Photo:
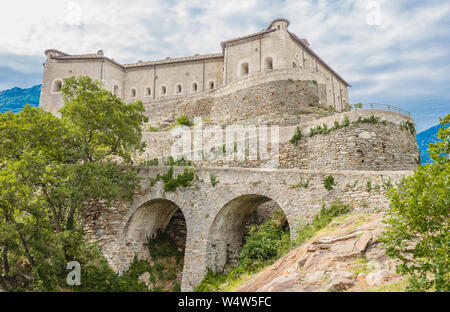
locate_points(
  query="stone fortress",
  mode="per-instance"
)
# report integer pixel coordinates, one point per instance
(270, 77)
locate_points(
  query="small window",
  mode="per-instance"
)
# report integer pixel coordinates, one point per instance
(57, 85)
(133, 93)
(268, 63)
(194, 87)
(116, 90)
(294, 64)
(148, 91)
(163, 90)
(211, 85)
(244, 69)
(179, 89)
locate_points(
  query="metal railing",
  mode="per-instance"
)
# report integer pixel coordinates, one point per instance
(381, 106)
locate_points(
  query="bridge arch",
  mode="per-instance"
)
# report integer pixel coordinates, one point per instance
(226, 232)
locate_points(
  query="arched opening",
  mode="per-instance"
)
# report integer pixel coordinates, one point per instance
(294, 64)
(227, 234)
(244, 69)
(194, 87)
(268, 63)
(57, 85)
(148, 91)
(159, 227)
(163, 90)
(116, 90)
(178, 88)
(133, 93)
(211, 85)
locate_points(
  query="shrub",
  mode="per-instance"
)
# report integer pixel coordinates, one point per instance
(296, 137)
(408, 126)
(213, 179)
(184, 120)
(328, 183)
(171, 183)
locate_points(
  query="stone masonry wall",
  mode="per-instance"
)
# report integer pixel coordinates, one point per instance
(202, 202)
(283, 102)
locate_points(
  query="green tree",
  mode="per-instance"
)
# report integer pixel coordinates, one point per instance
(52, 172)
(417, 232)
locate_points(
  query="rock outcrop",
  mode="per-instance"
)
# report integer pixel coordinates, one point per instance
(345, 256)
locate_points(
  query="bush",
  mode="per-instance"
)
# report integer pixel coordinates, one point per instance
(322, 219)
(296, 137)
(184, 120)
(171, 183)
(328, 183)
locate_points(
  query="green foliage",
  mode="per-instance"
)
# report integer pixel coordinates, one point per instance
(369, 186)
(50, 169)
(296, 137)
(417, 232)
(328, 183)
(184, 121)
(170, 161)
(213, 179)
(358, 105)
(171, 183)
(372, 119)
(151, 162)
(307, 230)
(408, 126)
(302, 183)
(152, 128)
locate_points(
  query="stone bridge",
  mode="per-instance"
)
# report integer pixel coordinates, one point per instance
(214, 214)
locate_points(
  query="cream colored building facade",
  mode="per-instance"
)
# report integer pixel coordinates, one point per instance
(271, 54)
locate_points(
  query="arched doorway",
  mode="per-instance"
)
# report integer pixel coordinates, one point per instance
(158, 230)
(227, 233)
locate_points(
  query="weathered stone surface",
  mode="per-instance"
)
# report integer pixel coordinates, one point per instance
(332, 269)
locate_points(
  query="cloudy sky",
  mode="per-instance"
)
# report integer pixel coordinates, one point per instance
(391, 51)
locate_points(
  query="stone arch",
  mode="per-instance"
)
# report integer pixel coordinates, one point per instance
(158, 218)
(268, 63)
(226, 233)
(244, 69)
(149, 218)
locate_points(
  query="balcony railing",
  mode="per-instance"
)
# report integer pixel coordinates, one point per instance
(381, 106)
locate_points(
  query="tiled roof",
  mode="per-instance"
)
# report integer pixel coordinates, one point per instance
(64, 56)
(196, 57)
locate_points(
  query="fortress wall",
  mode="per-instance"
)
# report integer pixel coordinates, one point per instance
(254, 52)
(359, 146)
(284, 102)
(169, 75)
(57, 70)
(113, 75)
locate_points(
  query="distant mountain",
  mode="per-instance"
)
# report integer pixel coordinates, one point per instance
(15, 99)
(424, 138)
